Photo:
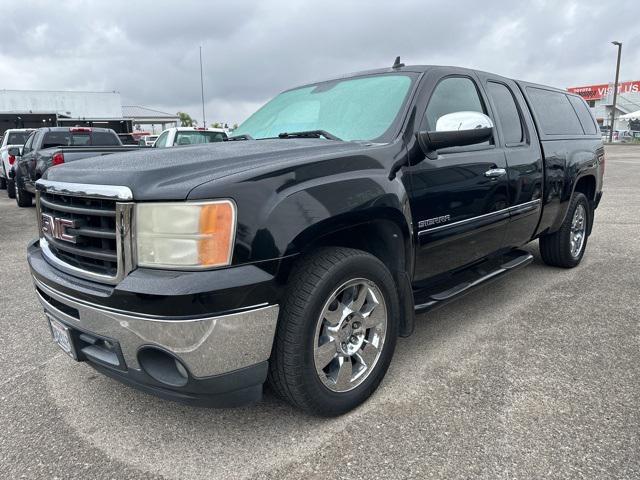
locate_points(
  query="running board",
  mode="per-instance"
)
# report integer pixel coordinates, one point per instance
(463, 282)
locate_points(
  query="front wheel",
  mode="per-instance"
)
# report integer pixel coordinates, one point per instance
(11, 188)
(336, 333)
(565, 248)
(23, 198)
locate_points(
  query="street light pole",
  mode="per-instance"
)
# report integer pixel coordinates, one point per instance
(204, 120)
(615, 91)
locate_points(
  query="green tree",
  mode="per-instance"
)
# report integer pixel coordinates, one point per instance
(216, 125)
(186, 120)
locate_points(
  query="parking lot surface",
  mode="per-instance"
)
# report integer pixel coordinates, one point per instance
(534, 376)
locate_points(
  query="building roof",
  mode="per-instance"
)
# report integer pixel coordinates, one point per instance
(134, 112)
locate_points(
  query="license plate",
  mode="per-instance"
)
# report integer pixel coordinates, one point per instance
(62, 336)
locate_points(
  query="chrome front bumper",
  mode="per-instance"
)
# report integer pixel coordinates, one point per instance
(206, 346)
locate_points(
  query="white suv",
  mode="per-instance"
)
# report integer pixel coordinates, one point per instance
(175, 137)
(12, 138)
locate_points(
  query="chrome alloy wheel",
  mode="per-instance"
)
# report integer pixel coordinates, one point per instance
(350, 335)
(578, 230)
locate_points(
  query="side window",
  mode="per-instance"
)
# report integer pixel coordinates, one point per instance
(453, 94)
(507, 113)
(554, 111)
(28, 144)
(584, 115)
(161, 141)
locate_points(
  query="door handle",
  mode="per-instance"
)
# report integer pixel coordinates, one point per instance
(495, 172)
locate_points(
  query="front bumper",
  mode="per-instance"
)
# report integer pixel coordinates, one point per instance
(224, 355)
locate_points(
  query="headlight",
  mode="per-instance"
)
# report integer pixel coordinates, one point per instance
(190, 235)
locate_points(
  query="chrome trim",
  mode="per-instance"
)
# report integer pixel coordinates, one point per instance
(106, 192)
(495, 172)
(520, 208)
(124, 239)
(207, 346)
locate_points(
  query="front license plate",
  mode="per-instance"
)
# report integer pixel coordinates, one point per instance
(62, 336)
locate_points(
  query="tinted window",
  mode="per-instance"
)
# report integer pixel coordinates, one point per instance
(78, 139)
(507, 112)
(454, 94)
(104, 139)
(17, 138)
(28, 144)
(192, 138)
(554, 112)
(584, 115)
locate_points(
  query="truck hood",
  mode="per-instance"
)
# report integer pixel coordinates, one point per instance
(171, 173)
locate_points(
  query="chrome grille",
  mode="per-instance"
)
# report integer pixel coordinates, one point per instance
(97, 242)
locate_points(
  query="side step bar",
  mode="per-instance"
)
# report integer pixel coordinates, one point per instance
(463, 282)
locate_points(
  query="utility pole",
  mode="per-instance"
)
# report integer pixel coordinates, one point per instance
(204, 120)
(615, 91)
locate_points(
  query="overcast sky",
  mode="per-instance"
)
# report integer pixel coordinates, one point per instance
(148, 51)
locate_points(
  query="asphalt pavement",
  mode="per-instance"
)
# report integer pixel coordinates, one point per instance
(534, 376)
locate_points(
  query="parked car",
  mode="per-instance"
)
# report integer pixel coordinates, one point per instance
(299, 250)
(147, 140)
(51, 146)
(14, 137)
(173, 137)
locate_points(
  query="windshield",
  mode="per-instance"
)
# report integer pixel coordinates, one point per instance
(351, 109)
(17, 138)
(192, 138)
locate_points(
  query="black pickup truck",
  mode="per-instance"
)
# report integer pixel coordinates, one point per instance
(50, 146)
(299, 250)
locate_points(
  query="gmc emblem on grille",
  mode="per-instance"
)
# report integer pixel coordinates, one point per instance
(57, 227)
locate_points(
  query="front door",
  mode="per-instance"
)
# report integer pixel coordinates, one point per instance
(459, 200)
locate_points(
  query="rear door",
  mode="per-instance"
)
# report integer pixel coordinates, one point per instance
(458, 200)
(518, 138)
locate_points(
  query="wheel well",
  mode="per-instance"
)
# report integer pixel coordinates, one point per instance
(587, 186)
(382, 239)
(385, 240)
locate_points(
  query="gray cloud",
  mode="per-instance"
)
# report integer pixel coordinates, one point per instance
(148, 51)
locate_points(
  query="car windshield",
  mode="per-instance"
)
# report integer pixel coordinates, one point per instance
(361, 108)
(76, 139)
(196, 137)
(17, 138)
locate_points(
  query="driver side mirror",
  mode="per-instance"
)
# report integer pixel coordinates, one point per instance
(14, 151)
(456, 129)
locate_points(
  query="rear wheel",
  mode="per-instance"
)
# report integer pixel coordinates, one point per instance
(336, 333)
(3, 183)
(565, 248)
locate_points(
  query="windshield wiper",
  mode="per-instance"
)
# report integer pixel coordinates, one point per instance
(309, 134)
(244, 136)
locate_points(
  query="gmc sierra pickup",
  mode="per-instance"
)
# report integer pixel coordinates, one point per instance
(49, 146)
(296, 252)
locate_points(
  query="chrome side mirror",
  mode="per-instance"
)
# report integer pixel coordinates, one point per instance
(456, 129)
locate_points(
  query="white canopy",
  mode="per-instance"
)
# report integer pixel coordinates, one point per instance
(631, 116)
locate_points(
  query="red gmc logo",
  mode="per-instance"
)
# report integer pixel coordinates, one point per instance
(57, 227)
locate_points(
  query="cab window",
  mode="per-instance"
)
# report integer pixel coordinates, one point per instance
(453, 94)
(161, 142)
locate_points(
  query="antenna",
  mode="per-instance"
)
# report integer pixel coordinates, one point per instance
(397, 63)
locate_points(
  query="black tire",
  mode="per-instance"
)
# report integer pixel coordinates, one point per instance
(11, 188)
(292, 372)
(555, 248)
(3, 183)
(23, 198)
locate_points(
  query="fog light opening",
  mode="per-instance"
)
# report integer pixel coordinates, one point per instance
(163, 367)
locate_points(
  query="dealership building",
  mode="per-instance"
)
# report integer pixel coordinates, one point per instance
(36, 108)
(600, 99)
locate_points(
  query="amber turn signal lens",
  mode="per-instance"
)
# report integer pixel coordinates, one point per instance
(217, 225)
